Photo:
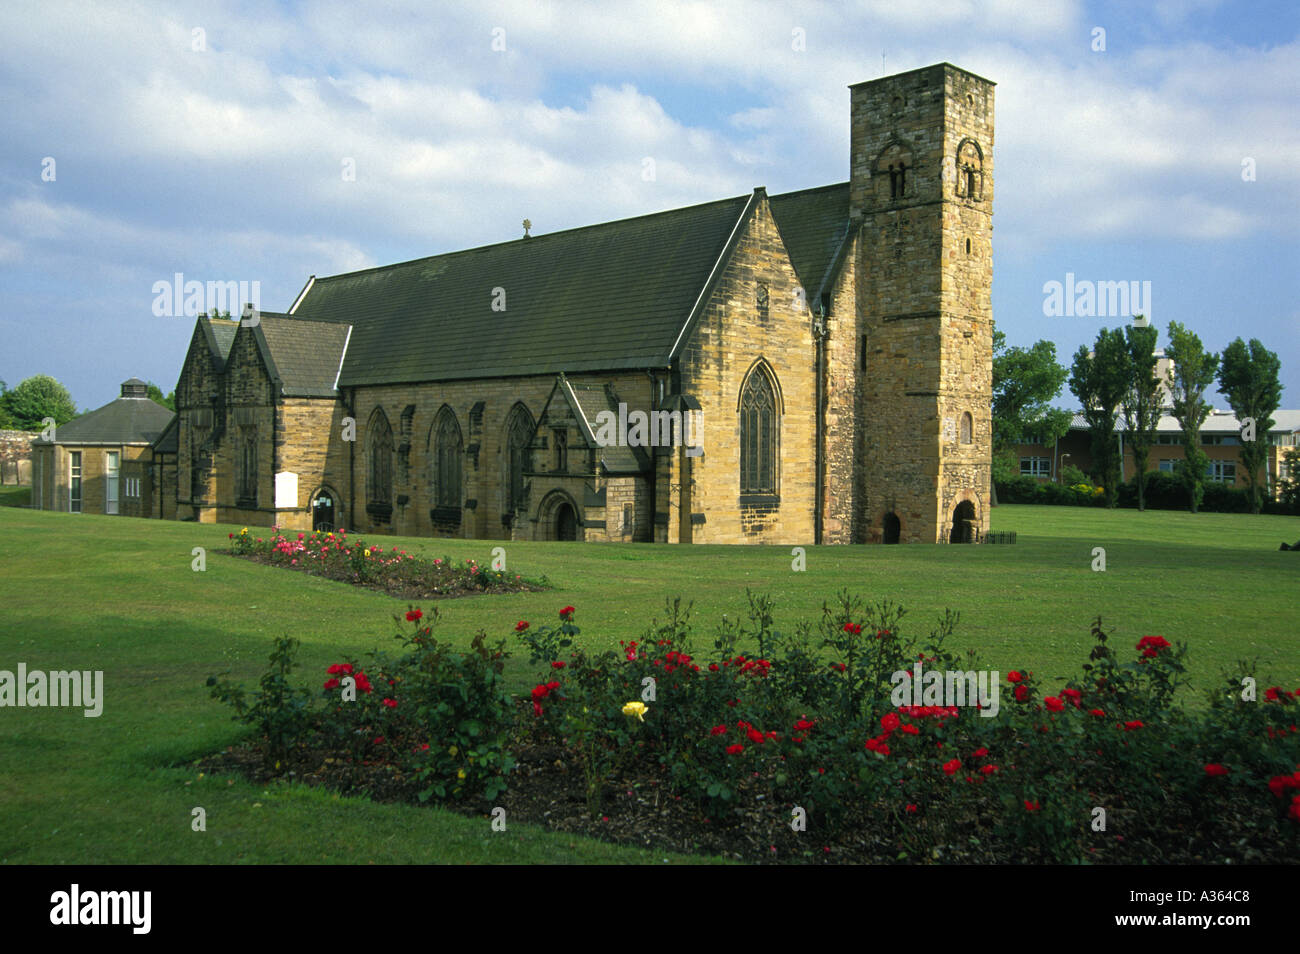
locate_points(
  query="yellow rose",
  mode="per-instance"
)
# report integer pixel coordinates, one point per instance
(637, 709)
(461, 775)
(453, 750)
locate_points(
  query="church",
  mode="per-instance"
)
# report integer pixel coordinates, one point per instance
(810, 367)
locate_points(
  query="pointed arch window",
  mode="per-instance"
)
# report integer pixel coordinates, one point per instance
(967, 426)
(760, 434)
(379, 476)
(519, 434)
(246, 482)
(448, 453)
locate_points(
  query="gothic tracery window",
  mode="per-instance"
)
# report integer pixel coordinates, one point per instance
(759, 434)
(448, 453)
(379, 478)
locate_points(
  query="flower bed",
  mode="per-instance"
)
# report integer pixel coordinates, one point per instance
(799, 746)
(394, 571)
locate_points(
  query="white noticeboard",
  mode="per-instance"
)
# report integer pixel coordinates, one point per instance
(286, 489)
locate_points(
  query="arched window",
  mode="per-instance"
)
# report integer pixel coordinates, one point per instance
(970, 170)
(894, 162)
(448, 452)
(966, 428)
(379, 474)
(519, 434)
(760, 433)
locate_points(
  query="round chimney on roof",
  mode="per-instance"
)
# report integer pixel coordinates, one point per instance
(134, 388)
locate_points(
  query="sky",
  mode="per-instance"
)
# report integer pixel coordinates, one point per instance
(263, 143)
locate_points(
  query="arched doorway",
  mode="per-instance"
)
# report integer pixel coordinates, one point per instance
(893, 529)
(566, 522)
(322, 510)
(963, 523)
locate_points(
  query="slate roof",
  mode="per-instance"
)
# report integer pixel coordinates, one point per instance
(169, 441)
(220, 335)
(588, 400)
(128, 420)
(813, 224)
(599, 298)
(303, 356)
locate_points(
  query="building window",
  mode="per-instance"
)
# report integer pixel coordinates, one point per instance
(761, 299)
(970, 170)
(246, 474)
(560, 456)
(968, 246)
(1221, 471)
(379, 474)
(864, 353)
(1174, 439)
(895, 161)
(967, 426)
(760, 434)
(1219, 440)
(74, 481)
(1035, 467)
(629, 518)
(448, 454)
(112, 470)
(37, 480)
(1168, 466)
(519, 434)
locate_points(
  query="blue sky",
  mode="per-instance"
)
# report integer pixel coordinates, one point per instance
(220, 154)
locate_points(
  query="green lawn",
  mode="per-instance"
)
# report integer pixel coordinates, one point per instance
(15, 496)
(119, 595)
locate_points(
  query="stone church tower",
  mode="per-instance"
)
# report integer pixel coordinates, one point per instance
(921, 186)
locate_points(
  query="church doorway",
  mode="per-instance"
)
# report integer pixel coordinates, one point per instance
(566, 522)
(322, 510)
(963, 523)
(893, 529)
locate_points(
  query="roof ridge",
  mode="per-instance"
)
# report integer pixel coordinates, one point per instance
(833, 185)
(533, 238)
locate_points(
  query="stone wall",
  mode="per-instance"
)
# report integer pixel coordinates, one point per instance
(16, 457)
(924, 302)
(735, 332)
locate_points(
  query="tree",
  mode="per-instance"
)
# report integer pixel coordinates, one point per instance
(1141, 402)
(154, 393)
(1288, 484)
(1192, 371)
(1248, 378)
(1025, 382)
(37, 398)
(6, 420)
(1100, 381)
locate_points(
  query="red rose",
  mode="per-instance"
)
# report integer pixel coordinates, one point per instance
(951, 767)
(981, 752)
(331, 683)
(713, 667)
(735, 749)
(537, 708)
(718, 730)
(803, 725)
(558, 664)
(540, 692)
(755, 736)
(552, 686)
(1054, 704)
(1097, 712)
(567, 613)
(910, 729)
(989, 769)
(1130, 726)
(391, 703)
(521, 626)
(1074, 695)
(1214, 768)
(1032, 806)
(1014, 676)
(889, 722)
(413, 615)
(1021, 693)
(911, 809)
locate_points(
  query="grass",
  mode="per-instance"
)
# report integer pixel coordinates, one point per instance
(119, 595)
(15, 496)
